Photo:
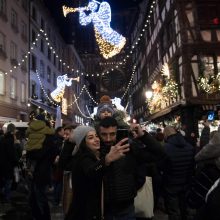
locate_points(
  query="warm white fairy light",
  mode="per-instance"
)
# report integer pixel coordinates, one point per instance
(109, 41)
(210, 84)
(90, 96)
(80, 109)
(45, 93)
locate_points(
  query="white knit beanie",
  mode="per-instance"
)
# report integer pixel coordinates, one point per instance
(79, 134)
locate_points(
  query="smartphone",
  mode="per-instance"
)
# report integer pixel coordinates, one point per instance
(121, 134)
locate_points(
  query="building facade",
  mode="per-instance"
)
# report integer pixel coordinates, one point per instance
(33, 54)
(13, 63)
(178, 59)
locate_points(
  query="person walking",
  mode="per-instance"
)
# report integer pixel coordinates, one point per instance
(177, 172)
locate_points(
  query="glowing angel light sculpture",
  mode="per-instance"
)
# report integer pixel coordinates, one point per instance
(62, 82)
(110, 42)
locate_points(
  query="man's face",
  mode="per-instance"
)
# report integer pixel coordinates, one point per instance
(108, 135)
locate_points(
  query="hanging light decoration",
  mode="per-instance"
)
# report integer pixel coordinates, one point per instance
(110, 42)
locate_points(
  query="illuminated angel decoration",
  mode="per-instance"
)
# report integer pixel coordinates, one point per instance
(62, 82)
(110, 42)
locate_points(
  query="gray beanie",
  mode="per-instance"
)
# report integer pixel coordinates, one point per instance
(79, 134)
(11, 128)
(105, 106)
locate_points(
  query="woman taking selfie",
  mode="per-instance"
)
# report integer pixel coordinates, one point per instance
(87, 172)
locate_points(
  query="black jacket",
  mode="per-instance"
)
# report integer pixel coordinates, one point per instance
(87, 173)
(179, 164)
(8, 156)
(120, 178)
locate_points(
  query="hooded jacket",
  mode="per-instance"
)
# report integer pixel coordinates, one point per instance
(36, 134)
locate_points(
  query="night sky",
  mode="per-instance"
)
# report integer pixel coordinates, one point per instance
(69, 26)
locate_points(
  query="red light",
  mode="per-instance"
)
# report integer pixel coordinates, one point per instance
(215, 21)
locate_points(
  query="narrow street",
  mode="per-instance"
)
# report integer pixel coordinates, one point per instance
(19, 209)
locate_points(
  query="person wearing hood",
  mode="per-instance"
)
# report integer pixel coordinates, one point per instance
(177, 172)
(87, 173)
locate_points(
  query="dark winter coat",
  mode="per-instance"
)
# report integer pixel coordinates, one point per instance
(87, 173)
(205, 135)
(212, 206)
(179, 164)
(66, 156)
(8, 156)
(120, 179)
(43, 160)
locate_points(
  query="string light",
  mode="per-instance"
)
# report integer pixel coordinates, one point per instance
(78, 71)
(90, 96)
(170, 90)
(210, 84)
(80, 109)
(45, 93)
(129, 84)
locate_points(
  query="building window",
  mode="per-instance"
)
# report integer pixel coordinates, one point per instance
(14, 19)
(54, 79)
(33, 63)
(33, 36)
(49, 53)
(13, 52)
(42, 45)
(13, 88)
(54, 59)
(33, 90)
(2, 83)
(42, 24)
(48, 74)
(42, 69)
(24, 61)
(34, 13)
(24, 4)
(2, 42)
(24, 30)
(3, 6)
(48, 32)
(23, 94)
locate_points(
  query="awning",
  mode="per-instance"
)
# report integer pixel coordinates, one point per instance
(167, 110)
(45, 107)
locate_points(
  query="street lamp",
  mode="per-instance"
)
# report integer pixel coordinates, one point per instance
(148, 94)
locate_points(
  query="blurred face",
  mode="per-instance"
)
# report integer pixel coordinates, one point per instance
(105, 114)
(61, 132)
(108, 135)
(66, 134)
(92, 141)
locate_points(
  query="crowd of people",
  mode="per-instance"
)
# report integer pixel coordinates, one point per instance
(95, 172)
